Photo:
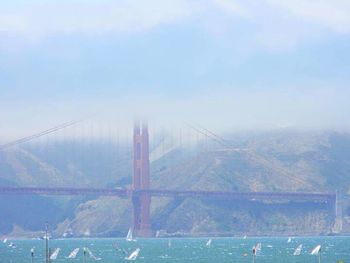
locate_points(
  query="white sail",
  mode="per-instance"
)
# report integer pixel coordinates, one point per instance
(129, 235)
(133, 255)
(245, 237)
(55, 254)
(316, 250)
(74, 253)
(92, 255)
(169, 243)
(257, 248)
(289, 240)
(208, 244)
(5, 240)
(297, 251)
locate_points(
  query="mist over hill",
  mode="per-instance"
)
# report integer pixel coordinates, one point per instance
(270, 161)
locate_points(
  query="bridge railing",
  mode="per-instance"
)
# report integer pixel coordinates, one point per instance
(293, 196)
(64, 191)
(259, 196)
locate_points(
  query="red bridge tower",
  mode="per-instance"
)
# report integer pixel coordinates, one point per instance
(141, 181)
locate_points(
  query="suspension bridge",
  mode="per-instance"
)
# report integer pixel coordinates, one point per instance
(141, 192)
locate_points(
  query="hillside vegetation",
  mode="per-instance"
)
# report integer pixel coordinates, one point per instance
(271, 161)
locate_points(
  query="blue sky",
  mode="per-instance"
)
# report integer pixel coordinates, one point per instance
(262, 64)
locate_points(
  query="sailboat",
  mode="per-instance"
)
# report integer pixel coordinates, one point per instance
(208, 244)
(289, 240)
(297, 251)
(255, 251)
(32, 254)
(122, 250)
(92, 255)
(74, 253)
(316, 250)
(129, 236)
(169, 243)
(55, 254)
(133, 255)
(5, 240)
(258, 247)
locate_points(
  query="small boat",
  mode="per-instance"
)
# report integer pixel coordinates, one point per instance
(129, 236)
(316, 250)
(208, 244)
(133, 255)
(5, 240)
(289, 240)
(122, 250)
(12, 245)
(91, 255)
(297, 251)
(74, 253)
(245, 237)
(54, 255)
(256, 249)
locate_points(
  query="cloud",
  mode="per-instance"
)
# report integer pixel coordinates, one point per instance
(40, 18)
(282, 25)
(274, 25)
(251, 24)
(71, 16)
(330, 14)
(234, 7)
(321, 108)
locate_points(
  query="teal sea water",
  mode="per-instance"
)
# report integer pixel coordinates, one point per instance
(191, 250)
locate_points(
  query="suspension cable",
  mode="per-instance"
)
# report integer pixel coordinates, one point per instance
(40, 134)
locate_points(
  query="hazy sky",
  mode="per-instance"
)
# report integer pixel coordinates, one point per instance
(228, 64)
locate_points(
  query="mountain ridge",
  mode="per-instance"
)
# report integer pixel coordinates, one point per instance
(276, 161)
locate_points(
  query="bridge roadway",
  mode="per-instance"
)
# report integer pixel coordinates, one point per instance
(254, 196)
(64, 191)
(125, 193)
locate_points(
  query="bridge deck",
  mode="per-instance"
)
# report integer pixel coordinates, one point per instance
(260, 196)
(64, 191)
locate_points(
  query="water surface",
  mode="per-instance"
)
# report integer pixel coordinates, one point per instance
(192, 250)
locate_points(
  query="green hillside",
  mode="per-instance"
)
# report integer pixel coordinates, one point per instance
(273, 161)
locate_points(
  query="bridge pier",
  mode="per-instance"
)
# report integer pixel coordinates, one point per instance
(141, 181)
(141, 214)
